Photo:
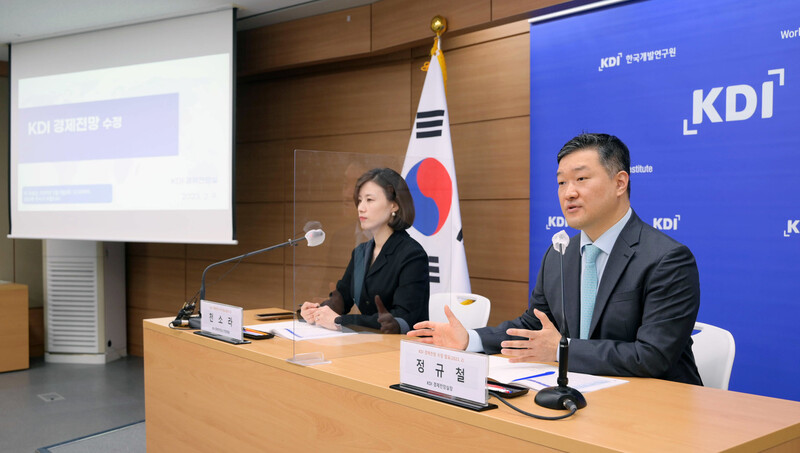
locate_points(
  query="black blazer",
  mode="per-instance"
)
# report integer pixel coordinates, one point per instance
(399, 276)
(645, 310)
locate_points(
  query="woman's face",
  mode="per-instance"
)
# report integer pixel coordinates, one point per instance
(374, 209)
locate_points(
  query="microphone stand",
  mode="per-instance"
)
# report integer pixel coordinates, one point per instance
(562, 396)
(185, 318)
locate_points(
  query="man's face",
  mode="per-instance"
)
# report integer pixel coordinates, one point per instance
(590, 198)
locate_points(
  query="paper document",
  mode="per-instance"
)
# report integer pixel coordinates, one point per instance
(299, 331)
(538, 376)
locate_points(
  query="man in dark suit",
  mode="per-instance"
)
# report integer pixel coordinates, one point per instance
(631, 292)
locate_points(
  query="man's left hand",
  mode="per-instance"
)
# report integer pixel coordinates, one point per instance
(540, 346)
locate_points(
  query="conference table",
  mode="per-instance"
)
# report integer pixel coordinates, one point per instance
(202, 394)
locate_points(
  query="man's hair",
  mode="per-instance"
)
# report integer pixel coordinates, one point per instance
(614, 155)
(396, 189)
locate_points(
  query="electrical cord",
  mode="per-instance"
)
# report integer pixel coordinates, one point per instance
(184, 314)
(569, 404)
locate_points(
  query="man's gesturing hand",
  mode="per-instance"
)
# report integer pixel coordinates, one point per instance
(451, 334)
(539, 345)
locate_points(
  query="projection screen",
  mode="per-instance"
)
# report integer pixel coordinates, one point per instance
(125, 134)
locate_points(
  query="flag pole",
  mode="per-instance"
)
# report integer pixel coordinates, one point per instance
(429, 170)
(439, 26)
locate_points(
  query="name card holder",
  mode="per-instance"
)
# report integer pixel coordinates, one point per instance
(444, 374)
(221, 322)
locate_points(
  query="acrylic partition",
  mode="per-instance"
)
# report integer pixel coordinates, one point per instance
(324, 183)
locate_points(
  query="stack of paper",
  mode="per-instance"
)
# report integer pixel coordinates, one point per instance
(538, 376)
(299, 331)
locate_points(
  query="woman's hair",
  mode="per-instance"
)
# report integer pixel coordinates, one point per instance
(396, 189)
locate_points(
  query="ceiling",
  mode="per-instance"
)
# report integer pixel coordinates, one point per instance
(27, 20)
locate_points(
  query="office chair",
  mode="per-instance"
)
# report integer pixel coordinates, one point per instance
(714, 350)
(472, 310)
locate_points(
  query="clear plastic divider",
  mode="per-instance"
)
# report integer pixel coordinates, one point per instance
(324, 183)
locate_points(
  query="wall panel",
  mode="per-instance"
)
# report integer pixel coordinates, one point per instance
(398, 22)
(36, 332)
(262, 169)
(258, 225)
(325, 37)
(392, 143)
(155, 250)
(155, 283)
(344, 102)
(492, 158)
(508, 298)
(495, 238)
(450, 42)
(155, 287)
(247, 285)
(484, 82)
(489, 81)
(507, 8)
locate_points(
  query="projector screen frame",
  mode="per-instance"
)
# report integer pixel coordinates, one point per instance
(184, 222)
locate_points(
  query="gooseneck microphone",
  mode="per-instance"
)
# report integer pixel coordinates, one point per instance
(562, 396)
(312, 237)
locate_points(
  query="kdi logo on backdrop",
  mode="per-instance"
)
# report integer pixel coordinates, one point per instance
(703, 102)
(791, 228)
(666, 223)
(555, 221)
(609, 62)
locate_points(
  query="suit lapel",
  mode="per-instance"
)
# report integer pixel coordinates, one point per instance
(380, 261)
(618, 260)
(388, 248)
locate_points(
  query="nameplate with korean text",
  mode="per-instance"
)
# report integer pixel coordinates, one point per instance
(443, 371)
(221, 319)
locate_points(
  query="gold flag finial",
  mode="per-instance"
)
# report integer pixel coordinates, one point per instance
(438, 25)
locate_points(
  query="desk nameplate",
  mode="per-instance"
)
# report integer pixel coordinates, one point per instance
(444, 374)
(221, 322)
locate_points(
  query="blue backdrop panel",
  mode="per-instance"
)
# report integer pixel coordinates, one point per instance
(706, 94)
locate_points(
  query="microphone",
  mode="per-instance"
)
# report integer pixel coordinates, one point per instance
(560, 242)
(562, 396)
(313, 238)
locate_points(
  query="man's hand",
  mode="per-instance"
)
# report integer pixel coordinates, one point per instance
(389, 325)
(451, 334)
(540, 346)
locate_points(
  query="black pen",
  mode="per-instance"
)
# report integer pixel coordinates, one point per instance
(282, 315)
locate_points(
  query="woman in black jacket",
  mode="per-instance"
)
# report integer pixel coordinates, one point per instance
(387, 277)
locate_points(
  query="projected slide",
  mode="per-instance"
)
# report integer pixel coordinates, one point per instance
(125, 133)
(136, 137)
